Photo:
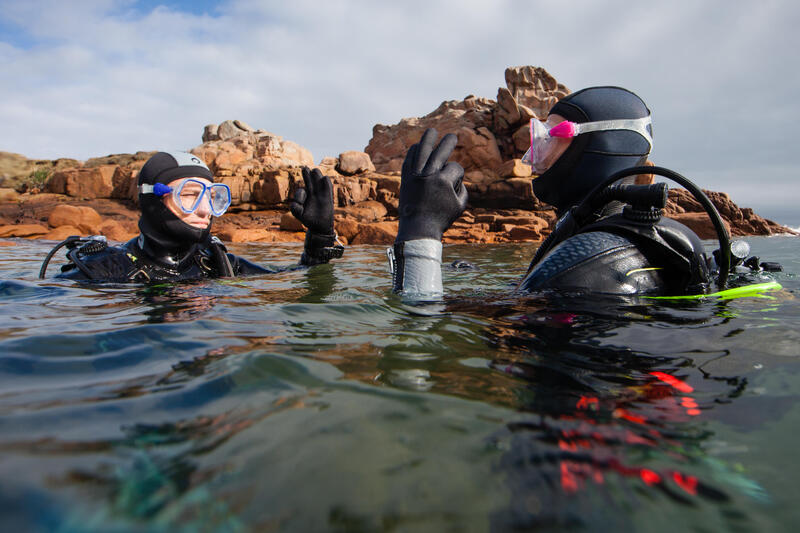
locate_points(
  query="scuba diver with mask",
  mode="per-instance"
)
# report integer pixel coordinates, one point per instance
(178, 200)
(611, 236)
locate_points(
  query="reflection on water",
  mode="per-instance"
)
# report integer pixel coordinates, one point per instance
(602, 414)
(316, 400)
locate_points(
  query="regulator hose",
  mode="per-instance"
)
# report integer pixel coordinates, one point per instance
(76, 244)
(50, 255)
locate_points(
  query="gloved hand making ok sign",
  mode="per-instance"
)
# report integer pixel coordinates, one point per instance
(432, 193)
(313, 206)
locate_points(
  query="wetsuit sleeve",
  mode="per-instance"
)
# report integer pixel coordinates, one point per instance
(417, 269)
(243, 267)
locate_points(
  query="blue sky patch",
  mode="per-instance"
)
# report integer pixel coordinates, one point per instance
(195, 7)
(16, 36)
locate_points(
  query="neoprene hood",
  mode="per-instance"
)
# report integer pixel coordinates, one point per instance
(157, 222)
(593, 157)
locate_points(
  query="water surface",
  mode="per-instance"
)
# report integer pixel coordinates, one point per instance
(315, 400)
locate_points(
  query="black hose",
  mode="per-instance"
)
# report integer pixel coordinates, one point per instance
(47, 259)
(722, 234)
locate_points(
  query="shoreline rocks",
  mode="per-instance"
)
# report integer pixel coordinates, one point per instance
(54, 199)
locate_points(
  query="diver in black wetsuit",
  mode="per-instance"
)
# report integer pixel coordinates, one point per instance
(586, 155)
(630, 250)
(178, 198)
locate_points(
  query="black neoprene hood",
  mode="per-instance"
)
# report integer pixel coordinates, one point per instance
(592, 157)
(165, 167)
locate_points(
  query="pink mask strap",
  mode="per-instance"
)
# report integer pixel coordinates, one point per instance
(565, 130)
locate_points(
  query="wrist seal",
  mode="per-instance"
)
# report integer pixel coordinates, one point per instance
(321, 248)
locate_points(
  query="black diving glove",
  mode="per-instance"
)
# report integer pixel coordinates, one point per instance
(432, 193)
(313, 206)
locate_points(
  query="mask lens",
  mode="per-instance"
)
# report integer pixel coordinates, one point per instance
(220, 196)
(527, 158)
(540, 140)
(189, 195)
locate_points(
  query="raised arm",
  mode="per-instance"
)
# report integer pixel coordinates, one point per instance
(432, 197)
(313, 206)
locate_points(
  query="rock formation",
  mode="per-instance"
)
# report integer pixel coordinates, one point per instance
(739, 221)
(492, 135)
(54, 199)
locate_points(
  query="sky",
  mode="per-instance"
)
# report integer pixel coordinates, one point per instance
(89, 78)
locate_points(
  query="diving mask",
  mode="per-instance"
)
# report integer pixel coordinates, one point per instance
(543, 136)
(191, 192)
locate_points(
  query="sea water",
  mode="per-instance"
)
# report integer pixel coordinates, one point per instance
(316, 400)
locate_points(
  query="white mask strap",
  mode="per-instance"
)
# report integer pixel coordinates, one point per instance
(639, 125)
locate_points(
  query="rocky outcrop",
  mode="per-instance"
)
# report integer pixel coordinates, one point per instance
(30, 231)
(56, 216)
(23, 174)
(353, 162)
(470, 119)
(534, 88)
(121, 160)
(492, 135)
(94, 182)
(261, 168)
(8, 194)
(234, 148)
(263, 171)
(739, 221)
(85, 219)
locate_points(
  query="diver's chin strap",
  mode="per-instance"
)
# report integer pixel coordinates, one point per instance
(416, 268)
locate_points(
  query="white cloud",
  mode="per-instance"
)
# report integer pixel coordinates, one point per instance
(104, 76)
